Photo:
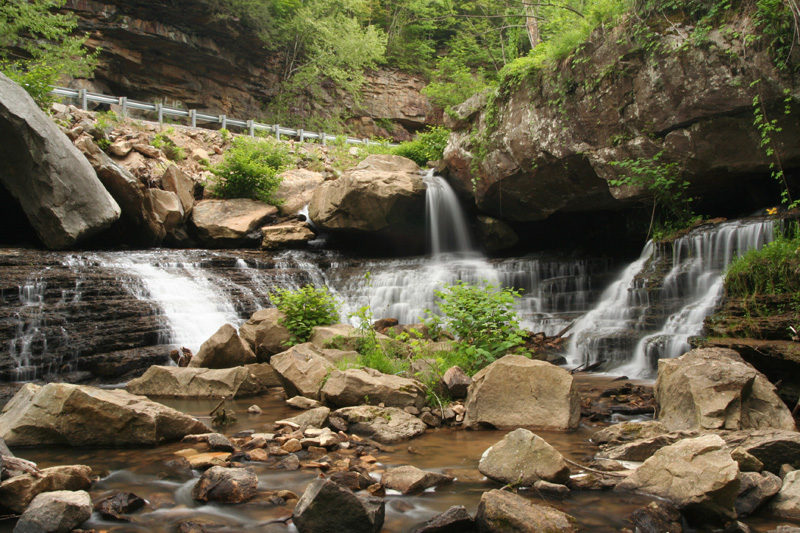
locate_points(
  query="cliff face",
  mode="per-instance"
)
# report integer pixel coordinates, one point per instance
(547, 145)
(180, 52)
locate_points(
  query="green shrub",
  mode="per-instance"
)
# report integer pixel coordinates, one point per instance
(775, 269)
(250, 170)
(427, 146)
(483, 320)
(305, 308)
(171, 151)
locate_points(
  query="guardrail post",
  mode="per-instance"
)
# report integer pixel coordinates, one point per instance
(160, 111)
(277, 131)
(224, 121)
(251, 128)
(301, 135)
(323, 137)
(123, 103)
(365, 142)
(193, 117)
(84, 100)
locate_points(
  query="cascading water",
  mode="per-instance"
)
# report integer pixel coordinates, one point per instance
(448, 231)
(634, 325)
(29, 321)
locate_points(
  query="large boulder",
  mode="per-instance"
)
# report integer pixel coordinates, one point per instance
(500, 510)
(291, 234)
(322, 335)
(57, 511)
(302, 369)
(714, 388)
(61, 413)
(523, 458)
(382, 194)
(383, 424)
(231, 223)
(411, 480)
(175, 382)
(786, 504)
(17, 492)
(755, 490)
(326, 507)
(224, 349)
(773, 448)
(697, 475)
(139, 224)
(226, 485)
(175, 181)
(265, 333)
(350, 387)
(167, 209)
(54, 184)
(544, 395)
(296, 188)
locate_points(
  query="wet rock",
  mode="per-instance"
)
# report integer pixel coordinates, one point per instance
(657, 517)
(60, 413)
(202, 461)
(115, 507)
(291, 234)
(772, 448)
(629, 431)
(499, 510)
(291, 462)
(555, 490)
(754, 491)
(265, 374)
(313, 418)
(302, 369)
(226, 485)
(17, 492)
(642, 449)
(454, 520)
(456, 382)
(545, 395)
(412, 480)
(350, 387)
(328, 507)
(431, 420)
(231, 223)
(301, 402)
(708, 484)
(224, 349)
(383, 424)
(714, 388)
(254, 410)
(265, 333)
(61, 510)
(786, 504)
(352, 480)
(54, 184)
(175, 382)
(494, 234)
(522, 458)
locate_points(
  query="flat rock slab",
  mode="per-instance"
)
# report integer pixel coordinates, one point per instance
(175, 382)
(383, 424)
(411, 480)
(500, 510)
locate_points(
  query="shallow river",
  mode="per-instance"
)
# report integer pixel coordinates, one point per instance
(145, 472)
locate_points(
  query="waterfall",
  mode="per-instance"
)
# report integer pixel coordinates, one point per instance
(634, 325)
(448, 231)
(29, 321)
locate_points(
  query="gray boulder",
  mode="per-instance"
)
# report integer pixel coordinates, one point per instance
(265, 333)
(707, 486)
(224, 349)
(326, 507)
(714, 388)
(61, 413)
(786, 504)
(383, 424)
(54, 184)
(500, 510)
(754, 491)
(226, 485)
(411, 480)
(175, 382)
(16, 493)
(350, 387)
(523, 458)
(302, 370)
(231, 223)
(57, 511)
(657, 517)
(545, 396)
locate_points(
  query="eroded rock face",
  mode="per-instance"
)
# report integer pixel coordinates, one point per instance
(696, 105)
(54, 184)
(175, 382)
(231, 223)
(708, 483)
(713, 388)
(383, 194)
(545, 396)
(350, 387)
(523, 458)
(60, 413)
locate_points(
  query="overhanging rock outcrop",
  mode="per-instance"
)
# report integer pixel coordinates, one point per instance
(54, 184)
(547, 145)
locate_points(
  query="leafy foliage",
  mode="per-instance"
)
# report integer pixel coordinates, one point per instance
(37, 46)
(767, 128)
(163, 142)
(250, 169)
(427, 146)
(306, 308)
(775, 269)
(483, 320)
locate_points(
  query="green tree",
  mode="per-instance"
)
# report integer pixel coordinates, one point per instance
(37, 46)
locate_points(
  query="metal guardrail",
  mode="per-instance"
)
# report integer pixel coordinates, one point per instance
(161, 110)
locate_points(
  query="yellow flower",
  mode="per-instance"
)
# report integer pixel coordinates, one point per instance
(772, 210)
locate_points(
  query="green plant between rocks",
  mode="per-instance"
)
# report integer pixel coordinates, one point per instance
(251, 169)
(774, 269)
(163, 142)
(483, 320)
(427, 146)
(304, 309)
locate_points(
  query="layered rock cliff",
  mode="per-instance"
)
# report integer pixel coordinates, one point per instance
(543, 146)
